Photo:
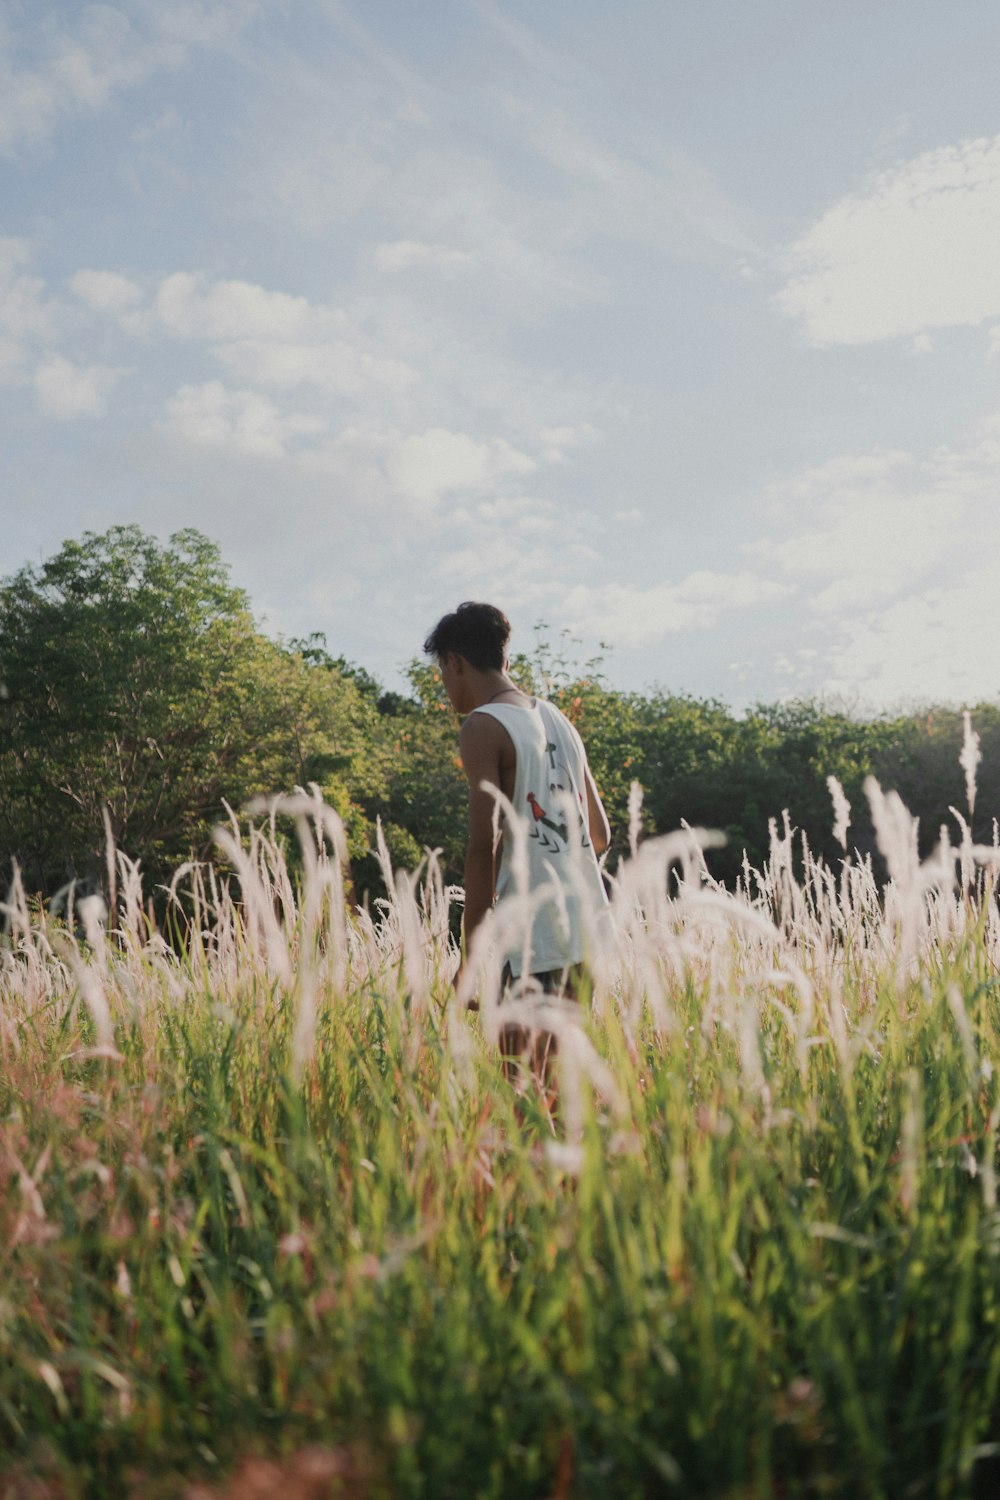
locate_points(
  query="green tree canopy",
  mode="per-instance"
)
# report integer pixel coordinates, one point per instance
(133, 678)
(136, 681)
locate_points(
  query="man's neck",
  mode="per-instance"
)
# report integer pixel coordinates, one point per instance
(492, 687)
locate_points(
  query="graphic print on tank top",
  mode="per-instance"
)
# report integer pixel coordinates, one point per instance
(554, 836)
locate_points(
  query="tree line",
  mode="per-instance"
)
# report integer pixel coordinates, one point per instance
(139, 697)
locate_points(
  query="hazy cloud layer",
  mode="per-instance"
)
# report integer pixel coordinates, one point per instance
(60, 62)
(520, 305)
(631, 616)
(892, 556)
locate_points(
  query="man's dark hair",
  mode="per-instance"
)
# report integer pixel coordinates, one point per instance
(479, 632)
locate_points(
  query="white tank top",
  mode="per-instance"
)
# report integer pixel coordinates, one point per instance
(550, 795)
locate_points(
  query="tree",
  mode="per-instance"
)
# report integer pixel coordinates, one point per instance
(427, 791)
(135, 681)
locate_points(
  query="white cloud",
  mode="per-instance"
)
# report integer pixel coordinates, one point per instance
(510, 510)
(796, 665)
(30, 322)
(67, 391)
(106, 291)
(431, 464)
(203, 23)
(335, 366)
(52, 69)
(24, 310)
(407, 255)
(452, 208)
(77, 68)
(243, 421)
(281, 351)
(648, 191)
(190, 306)
(632, 616)
(275, 339)
(11, 362)
(915, 249)
(935, 646)
(896, 560)
(863, 529)
(557, 440)
(479, 565)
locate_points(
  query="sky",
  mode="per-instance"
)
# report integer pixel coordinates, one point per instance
(672, 327)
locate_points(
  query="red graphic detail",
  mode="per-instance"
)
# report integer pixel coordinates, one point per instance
(538, 811)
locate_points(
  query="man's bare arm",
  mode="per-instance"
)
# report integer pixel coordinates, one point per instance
(597, 818)
(481, 744)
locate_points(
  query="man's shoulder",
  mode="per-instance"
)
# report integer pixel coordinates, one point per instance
(479, 721)
(481, 729)
(481, 747)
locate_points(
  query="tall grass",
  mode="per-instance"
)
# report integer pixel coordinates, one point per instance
(267, 1186)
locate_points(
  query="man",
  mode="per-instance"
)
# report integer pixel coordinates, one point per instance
(530, 750)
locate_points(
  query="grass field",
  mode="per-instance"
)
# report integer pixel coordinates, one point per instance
(270, 1208)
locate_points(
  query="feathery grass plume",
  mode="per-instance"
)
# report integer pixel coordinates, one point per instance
(646, 926)
(841, 811)
(634, 817)
(129, 910)
(966, 849)
(895, 833)
(110, 860)
(257, 898)
(384, 859)
(16, 917)
(93, 914)
(987, 1170)
(416, 967)
(837, 1020)
(800, 1018)
(314, 921)
(578, 1064)
(330, 830)
(330, 1211)
(436, 901)
(33, 1224)
(969, 759)
(93, 975)
(779, 882)
(906, 896)
(748, 1032)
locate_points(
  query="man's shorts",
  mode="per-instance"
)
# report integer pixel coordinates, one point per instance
(565, 982)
